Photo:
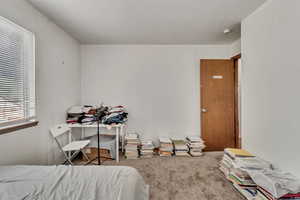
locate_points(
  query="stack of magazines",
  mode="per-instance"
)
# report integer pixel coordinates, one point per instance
(132, 145)
(196, 145)
(166, 147)
(180, 147)
(147, 148)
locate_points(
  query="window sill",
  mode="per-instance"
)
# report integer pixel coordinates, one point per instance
(18, 127)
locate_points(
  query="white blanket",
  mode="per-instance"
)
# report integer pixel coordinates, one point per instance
(71, 183)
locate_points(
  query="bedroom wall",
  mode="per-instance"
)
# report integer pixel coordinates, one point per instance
(58, 86)
(159, 85)
(270, 87)
(236, 47)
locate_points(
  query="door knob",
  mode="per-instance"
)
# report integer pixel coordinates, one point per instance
(203, 110)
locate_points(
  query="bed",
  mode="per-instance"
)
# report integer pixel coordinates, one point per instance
(71, 183)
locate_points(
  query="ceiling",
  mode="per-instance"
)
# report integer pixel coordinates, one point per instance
(149, 21)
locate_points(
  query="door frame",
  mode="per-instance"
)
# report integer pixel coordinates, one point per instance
(236, 119)
(238, 142)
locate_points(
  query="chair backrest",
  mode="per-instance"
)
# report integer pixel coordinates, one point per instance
(59, 130)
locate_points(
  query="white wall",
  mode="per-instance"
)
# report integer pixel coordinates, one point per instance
(58, 85)
(236, 47)
(158, 84)
(270, 82)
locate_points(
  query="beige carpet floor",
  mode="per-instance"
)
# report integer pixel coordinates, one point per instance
(181, 178)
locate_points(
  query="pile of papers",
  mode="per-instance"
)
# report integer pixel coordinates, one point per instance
(196, 145)
(275, 184)
(256, 179)
(180, 147)
(265, 195)
(166, 147)
(132, 143)
(147, 148)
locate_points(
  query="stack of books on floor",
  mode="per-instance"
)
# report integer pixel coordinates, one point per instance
(146, 150)
(180, 147)
(196, 145)
(166, 147)
(240, 179)
(132, 143)
(230, 159)
(256, 179)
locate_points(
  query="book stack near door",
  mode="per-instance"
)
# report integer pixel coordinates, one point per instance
(240, 179)
(147, 148)
(166, 147)
(180, 147)
(196, 145)
(132, 143)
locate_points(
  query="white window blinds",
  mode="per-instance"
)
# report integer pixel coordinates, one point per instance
(17, 74)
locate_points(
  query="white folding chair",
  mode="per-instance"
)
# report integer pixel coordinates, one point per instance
(72, 149)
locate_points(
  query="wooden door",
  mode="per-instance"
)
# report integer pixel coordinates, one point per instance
(217, 104)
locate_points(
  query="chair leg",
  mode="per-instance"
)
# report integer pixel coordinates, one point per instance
(70, 162)
(85, 156)
(65, 162)
(74, 155)
(68, 159)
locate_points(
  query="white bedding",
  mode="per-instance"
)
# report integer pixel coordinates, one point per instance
(71, 183)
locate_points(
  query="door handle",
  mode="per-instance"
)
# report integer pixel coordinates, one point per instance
(203, 110)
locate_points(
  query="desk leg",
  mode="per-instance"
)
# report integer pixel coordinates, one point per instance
(82, 133)
(117, 144)
(123, 138)
(70, 140)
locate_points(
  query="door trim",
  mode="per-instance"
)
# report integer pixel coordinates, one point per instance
(238, 141)
(236, 57)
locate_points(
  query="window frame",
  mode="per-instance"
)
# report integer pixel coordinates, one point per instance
(16, 125)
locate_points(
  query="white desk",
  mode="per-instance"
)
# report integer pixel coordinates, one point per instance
(119, 131)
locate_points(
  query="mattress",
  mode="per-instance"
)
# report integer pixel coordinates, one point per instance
(71, 183)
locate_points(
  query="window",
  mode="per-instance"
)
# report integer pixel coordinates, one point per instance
(17, 76)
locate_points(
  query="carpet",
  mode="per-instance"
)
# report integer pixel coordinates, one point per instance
(184, 178)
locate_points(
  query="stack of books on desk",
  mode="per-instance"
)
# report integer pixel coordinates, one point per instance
(132, 143)
(147, 147)
(180, 147)
(196, 145)
(166, 147)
